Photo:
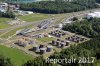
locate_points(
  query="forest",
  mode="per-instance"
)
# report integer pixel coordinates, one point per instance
(59, 6)
(89, 28)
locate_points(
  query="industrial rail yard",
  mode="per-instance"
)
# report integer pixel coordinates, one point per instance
(27, 34)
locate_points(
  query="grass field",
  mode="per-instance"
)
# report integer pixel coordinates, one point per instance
(3, 23)
(16, 56)
(34, 17)
(45, 39)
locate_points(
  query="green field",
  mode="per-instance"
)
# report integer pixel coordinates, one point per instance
(3, 23)
(17, 57)
(34, 17)
(45, 39)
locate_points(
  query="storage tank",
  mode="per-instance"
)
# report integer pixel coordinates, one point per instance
(58, 44)
(60, 26)
(67, 43)
(35, 48)
(42, 50)
(62, 45)
(53, 42)
(41, 46)
(49, 48)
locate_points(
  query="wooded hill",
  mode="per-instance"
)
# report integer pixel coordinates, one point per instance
(59, 6)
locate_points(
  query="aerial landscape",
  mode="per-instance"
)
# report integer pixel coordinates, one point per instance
(49, 32)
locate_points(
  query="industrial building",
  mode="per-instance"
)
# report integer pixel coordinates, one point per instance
(45, 24)
(93, 15)
(3, 7)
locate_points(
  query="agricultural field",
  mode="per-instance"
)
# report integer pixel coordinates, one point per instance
(17, 57)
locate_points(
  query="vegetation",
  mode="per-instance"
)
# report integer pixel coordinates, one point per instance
(87, 49)
(3, 23)
(33, 17)
(45, 39)
(5, 61)
(89, 28)
(39, 61)
(59, 6)
(17, 57)
(8, 14)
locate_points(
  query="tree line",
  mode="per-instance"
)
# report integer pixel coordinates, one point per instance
(7, 15)
(59, 6)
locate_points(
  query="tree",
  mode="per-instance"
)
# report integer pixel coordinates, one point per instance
(5, 61)
(74, 18)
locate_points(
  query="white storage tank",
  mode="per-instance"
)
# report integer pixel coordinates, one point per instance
(49, 48)
(42, 50)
